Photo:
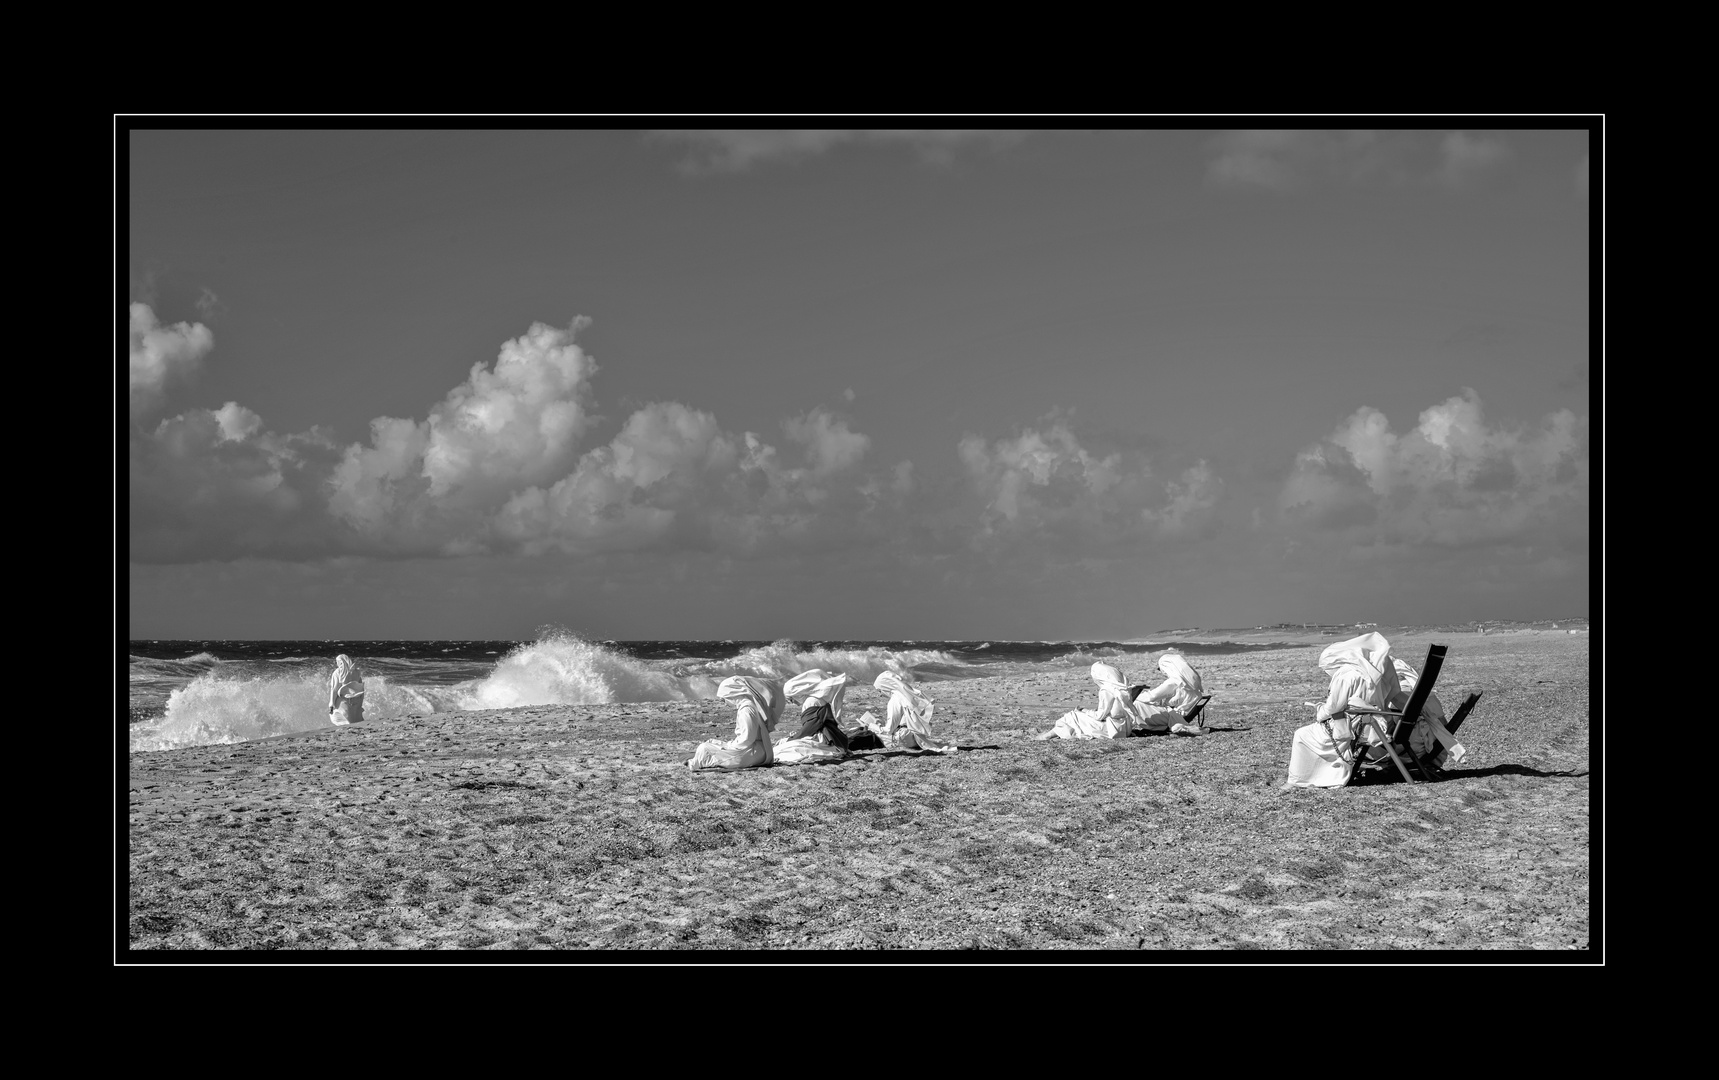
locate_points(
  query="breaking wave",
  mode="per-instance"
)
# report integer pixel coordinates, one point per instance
(227, 702)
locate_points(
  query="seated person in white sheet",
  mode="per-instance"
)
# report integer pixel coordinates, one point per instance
(1160, 709)
(1323, 754)
(907, 719)
(758, 705)
(1114, 718)
(1429, 737)
(818, 735)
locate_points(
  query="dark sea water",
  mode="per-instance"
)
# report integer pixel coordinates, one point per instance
(190, 693)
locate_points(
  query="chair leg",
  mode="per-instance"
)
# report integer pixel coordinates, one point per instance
(1389, 749)
(1426, 773)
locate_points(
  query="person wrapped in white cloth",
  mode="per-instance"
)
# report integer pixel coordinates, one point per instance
(758, 705)
(818, 736)
(1161, 709)
(1362, 674)
(1114, 718)
(345, 692)
(1430, 736)
(907, 718)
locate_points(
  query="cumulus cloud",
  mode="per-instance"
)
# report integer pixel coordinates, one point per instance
(1190, 499)
(1465, 157)
(422, 484)
(160, 354)
(1452, 481)
(736, 150)
(829, 444)
(213, 483)
(673, 476)
(497, 466)
(1044, 484)
(1290, 159)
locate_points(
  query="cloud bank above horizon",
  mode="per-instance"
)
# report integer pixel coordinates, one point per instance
(503, 464)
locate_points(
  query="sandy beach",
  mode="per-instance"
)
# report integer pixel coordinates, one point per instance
(580, 827)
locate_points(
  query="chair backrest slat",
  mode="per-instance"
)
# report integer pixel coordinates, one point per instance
(1418, 698)
(1462, 713)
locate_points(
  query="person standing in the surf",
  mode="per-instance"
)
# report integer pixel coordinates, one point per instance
(345, 692)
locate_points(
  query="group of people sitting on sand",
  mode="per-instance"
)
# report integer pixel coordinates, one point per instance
(1169, 709)
(1364, 675)
(819, 736)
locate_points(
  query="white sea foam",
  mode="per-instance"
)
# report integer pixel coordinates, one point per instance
(781, 659)
(225, 706)
(212, 710)
(561, 669)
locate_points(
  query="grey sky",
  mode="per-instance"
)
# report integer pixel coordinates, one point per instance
(997, 384)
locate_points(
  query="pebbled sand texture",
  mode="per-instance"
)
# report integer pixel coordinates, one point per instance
(579, 827)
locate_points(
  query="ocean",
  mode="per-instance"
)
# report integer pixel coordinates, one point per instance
(195, 693)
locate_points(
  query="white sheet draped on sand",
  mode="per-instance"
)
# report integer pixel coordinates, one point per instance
(759, 704)
(1362, 674)
(820, 689)
(345, 692)
(907, 719)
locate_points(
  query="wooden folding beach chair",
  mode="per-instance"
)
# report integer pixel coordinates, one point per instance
(1402, 724)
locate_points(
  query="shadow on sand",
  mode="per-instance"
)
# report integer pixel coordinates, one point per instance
(1389, 776)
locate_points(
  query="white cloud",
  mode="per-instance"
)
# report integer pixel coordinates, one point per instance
(162, 353)
(828, 442)
(1451, 481)
(1044, 486)
(736, 150)
(212, 483)
(1191, 498)
(506, 427)
(236, 422)
(1285, 159)
(1466, 157)
(672, 476)
(1289, 159)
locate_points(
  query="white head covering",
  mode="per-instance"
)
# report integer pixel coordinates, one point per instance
(1108, 678)
(763, 694)
(346, 676)
(1113, 694)
(892, 684)
(1369, 655)
(1177, 668)
(819, 687)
